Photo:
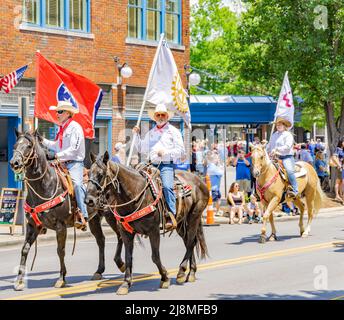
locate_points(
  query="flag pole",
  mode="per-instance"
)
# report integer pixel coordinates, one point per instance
(145, 96)
(278, 103)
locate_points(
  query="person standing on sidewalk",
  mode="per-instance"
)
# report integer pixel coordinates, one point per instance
(69, 149)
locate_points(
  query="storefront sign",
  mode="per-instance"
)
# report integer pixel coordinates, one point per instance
(9, 203)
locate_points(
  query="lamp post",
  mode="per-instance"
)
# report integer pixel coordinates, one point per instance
(118, 101)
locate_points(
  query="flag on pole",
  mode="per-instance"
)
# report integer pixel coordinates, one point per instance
(285, 105)
(54, 83)
(166, 85)
(8, 82)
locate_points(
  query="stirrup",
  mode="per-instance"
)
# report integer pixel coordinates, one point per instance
(173, 224)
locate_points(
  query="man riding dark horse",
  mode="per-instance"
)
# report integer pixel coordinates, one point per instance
(164, 146)
(69, 149)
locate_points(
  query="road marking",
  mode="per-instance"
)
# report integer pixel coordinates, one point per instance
(101, 284)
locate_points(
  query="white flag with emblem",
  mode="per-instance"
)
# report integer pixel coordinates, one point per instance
(285, 105)
(166, 85)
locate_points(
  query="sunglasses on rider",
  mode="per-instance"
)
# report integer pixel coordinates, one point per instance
(160, 114)
(60, 111)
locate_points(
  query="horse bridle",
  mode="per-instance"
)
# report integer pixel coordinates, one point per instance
(33, 157)
(114, 181)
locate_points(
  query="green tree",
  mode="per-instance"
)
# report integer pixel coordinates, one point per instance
(214, 45)
(305, 38)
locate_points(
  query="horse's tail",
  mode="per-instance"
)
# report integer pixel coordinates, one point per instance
(319, 197)
(201, 245)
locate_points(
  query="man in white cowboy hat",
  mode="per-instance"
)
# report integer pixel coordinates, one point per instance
(69, 148)
(281, 144)
(164, 146)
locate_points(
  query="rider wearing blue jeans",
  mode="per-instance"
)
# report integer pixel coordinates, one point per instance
(164, 146)
(69, 148)
(281, 144)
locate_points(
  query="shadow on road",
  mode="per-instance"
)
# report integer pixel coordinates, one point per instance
(304, 295)
(255, 238)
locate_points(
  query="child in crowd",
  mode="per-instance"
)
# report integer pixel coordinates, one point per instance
(253, 210)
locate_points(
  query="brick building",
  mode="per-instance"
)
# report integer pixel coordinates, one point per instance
(84, 36)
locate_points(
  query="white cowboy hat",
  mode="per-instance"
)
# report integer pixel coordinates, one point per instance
(65, 105)
(284, 121)
(119, 146)
(160, 108)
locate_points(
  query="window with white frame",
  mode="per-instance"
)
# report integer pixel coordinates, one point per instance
(147, 19)
(63, 14)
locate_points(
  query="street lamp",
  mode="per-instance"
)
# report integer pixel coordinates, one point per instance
(124, 71)
(192, 79)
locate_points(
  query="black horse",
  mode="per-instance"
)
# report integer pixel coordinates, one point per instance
(43, 184)
(128, 191)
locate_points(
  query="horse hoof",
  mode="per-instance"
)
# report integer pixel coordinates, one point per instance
(97, 276)
(122, 291)
(60, 284)
(19, 286)
(304, 235)
(262, 239)
(273, 237)
(122, 268)
(165, 284)
(191, 278)
(181, 279)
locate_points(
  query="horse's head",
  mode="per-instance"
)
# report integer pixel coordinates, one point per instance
(97, 180)
(24, 151)
(260, 159)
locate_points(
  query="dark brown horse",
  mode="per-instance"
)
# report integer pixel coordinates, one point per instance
(43, 184)
(128, 191)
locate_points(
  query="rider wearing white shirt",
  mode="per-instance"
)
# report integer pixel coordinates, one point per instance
(69, 148)
(281, 144)
(164, 147)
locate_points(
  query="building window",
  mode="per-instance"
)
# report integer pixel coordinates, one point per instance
(78, 14)
(54, 13)
(64, 14)
(147, 19)
(31, 11)
(172, 20)
(135, 18)
(153, 19)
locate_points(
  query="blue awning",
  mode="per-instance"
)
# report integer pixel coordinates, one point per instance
(218, 109)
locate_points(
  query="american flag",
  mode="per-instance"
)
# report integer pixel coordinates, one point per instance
(8, 82)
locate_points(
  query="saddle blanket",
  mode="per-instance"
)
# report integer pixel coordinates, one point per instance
(300, 171)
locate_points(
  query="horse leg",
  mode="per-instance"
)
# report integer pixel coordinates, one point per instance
(114, 226)
(273, 236)
(193, 268)
(154, 238)
(31, 236)
(269, 210)
(189, 244)
(310, 211)
(61, 236)
(301, 206)
(96, 230)
(128, 240)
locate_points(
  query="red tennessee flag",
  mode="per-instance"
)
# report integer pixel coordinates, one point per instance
(54, 83)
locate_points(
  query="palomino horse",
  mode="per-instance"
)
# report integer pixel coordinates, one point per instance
(44, 185)
(128, 191)
(271, 187)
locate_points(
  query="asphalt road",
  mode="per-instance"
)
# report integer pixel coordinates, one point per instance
(238, 267)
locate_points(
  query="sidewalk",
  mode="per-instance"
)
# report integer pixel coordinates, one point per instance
(7, 240)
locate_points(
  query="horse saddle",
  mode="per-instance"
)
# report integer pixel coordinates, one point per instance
(64, 176)
(181, 190)
(300, 171)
